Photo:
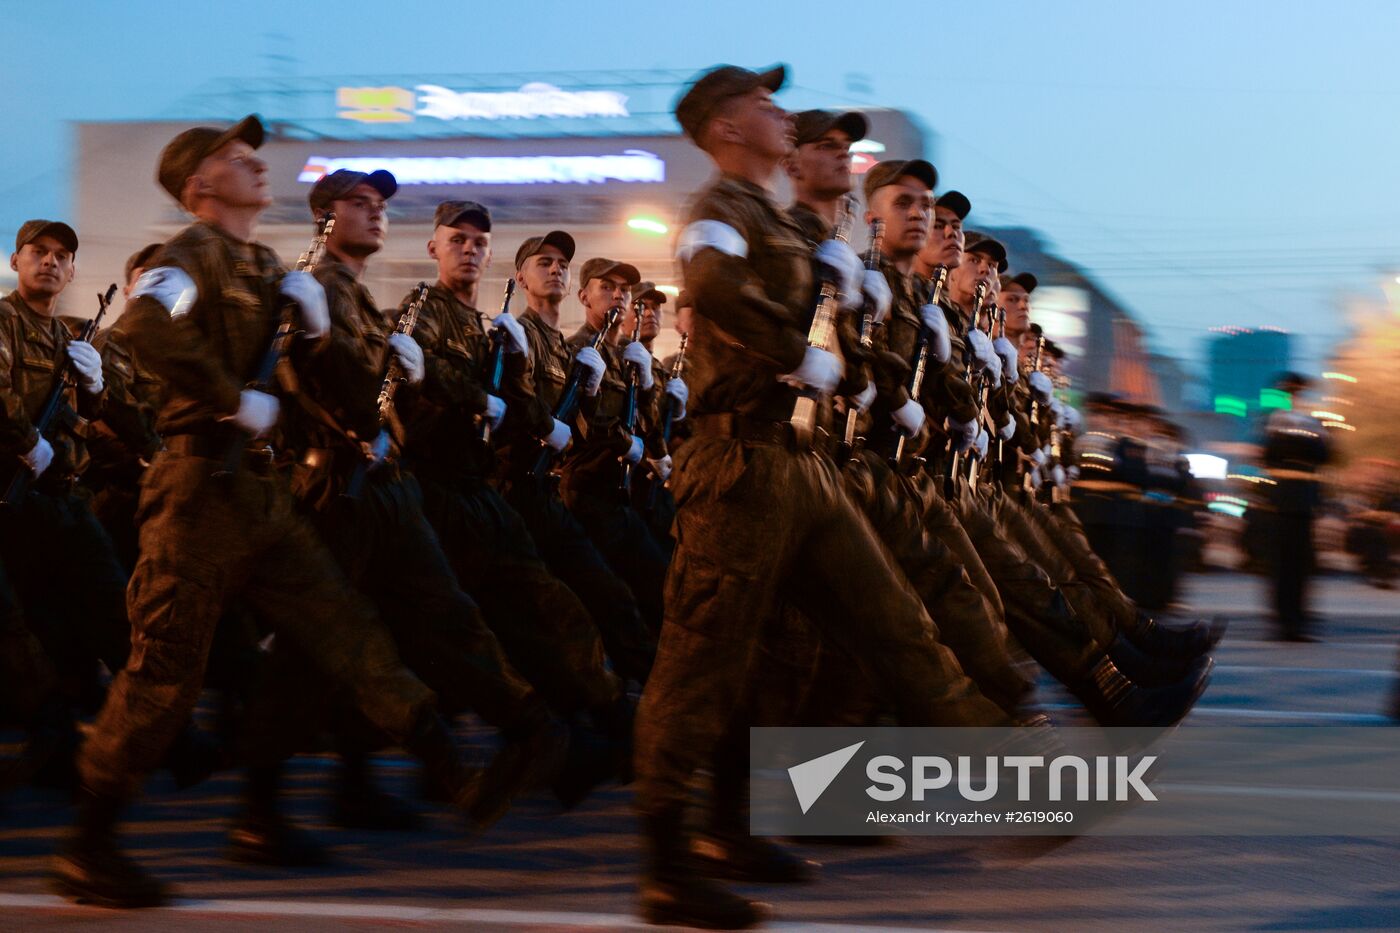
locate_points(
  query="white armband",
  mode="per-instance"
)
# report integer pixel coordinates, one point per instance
(710, 234)
(169, 285)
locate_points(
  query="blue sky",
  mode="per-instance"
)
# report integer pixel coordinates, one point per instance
(1211, 163)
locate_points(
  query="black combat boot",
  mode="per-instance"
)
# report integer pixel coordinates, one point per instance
(261, 835)
(600, 748)
(531, 757)
(737, 856)
(1186, 642)
(358, 804)
(89, 867)
(1114, 700)
(1144, 669)
(672, 892)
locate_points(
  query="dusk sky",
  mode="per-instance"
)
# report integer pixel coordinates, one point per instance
(1210, 163)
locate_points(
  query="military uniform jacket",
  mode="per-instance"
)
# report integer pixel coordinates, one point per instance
(443, 424)
(858, 360)
(127, 434)
(32, 356)
(551, 361)
(592, 463)
(206, 354)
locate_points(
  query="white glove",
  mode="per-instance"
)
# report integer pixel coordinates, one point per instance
(981, 346)
(1008, 430)
(878, 294)
(1072, 473)
(171, 286)
(495, 411)
(1057, 475)
(1010, 361)
(678, 390)
(1034, 475)
(39, 457)
(1041, 388)
(820, 370)
(88, 362)
(559, 437)
(257, 412)
(410, 357)
(512, 331)
(940, 347)
(863, 401)
(637, 355)
(845, 268)
(1073, 421)
(963, 433)
(662, 468)
(310, 297)
(592, 362)
(1039, 457)
(634, 453)
(979, 446)
(994, 373)
(909, 417)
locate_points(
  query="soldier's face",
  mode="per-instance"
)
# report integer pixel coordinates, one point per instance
(906, 209)
(756, 121)
(824, 166)
(982, 269)
(1018, 310)
(545, 275)
(45, 267)
(651, 318)
(361, 222)
(233, 175)
(601, 294)
(462, 254)
(945, 242)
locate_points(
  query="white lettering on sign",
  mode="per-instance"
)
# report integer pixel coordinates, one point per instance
(628, 166)
(531, 102)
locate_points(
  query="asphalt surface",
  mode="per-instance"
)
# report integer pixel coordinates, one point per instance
(539, 869)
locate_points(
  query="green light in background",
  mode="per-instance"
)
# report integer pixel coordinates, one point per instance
(1273, 398)
(648, 225)
(1230, 405)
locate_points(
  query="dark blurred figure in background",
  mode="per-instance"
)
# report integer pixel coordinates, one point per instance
(1295, 446)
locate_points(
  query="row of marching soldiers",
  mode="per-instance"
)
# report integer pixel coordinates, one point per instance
(361, 524)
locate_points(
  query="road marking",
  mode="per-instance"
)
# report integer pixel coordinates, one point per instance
(1349, 671)
(1367, 719)
(425, 915)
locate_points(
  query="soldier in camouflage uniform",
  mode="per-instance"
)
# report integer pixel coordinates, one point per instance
(759, 520)
(202, 318)
(535, 436)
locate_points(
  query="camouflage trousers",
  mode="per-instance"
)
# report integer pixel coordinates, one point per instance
(205, 540)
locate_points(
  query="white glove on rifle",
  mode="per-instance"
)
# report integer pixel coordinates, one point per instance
(1057, 475)
(962, 433)
(39, 457)
(1010, 361)
(877, 292)
(559, 436)
(1040, 457)
(1034, 475)
(1042, 390)
(1073, 421)
(513, 333)
(634, 453)
(909, 417)
(983, 355)
(662, 468)
(1008, 429)
(88, 362)
(845, 268)
(495, 411)
(409, 355)
(979, 446)
(863, 401)
(680, 392)
(592, 362)
(940, 346)
(639, 356)
(820, 370)
(257, 412)
(313, 313)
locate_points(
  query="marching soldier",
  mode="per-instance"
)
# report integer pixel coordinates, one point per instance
(202, 318)
(545, 629)
(759, 520)
(595, 466)
(530, 442)
(664, 419)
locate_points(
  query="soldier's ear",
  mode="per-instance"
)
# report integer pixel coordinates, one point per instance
(794, 171)
(432, 248)
(14, 261)
(72, 271)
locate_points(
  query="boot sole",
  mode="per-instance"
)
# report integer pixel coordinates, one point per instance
(82, 894)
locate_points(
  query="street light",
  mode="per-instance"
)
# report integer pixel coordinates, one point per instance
(648, 225)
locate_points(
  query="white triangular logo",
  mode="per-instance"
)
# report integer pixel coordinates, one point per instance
(811, 778)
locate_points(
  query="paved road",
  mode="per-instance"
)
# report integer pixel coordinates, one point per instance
(540, 870)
